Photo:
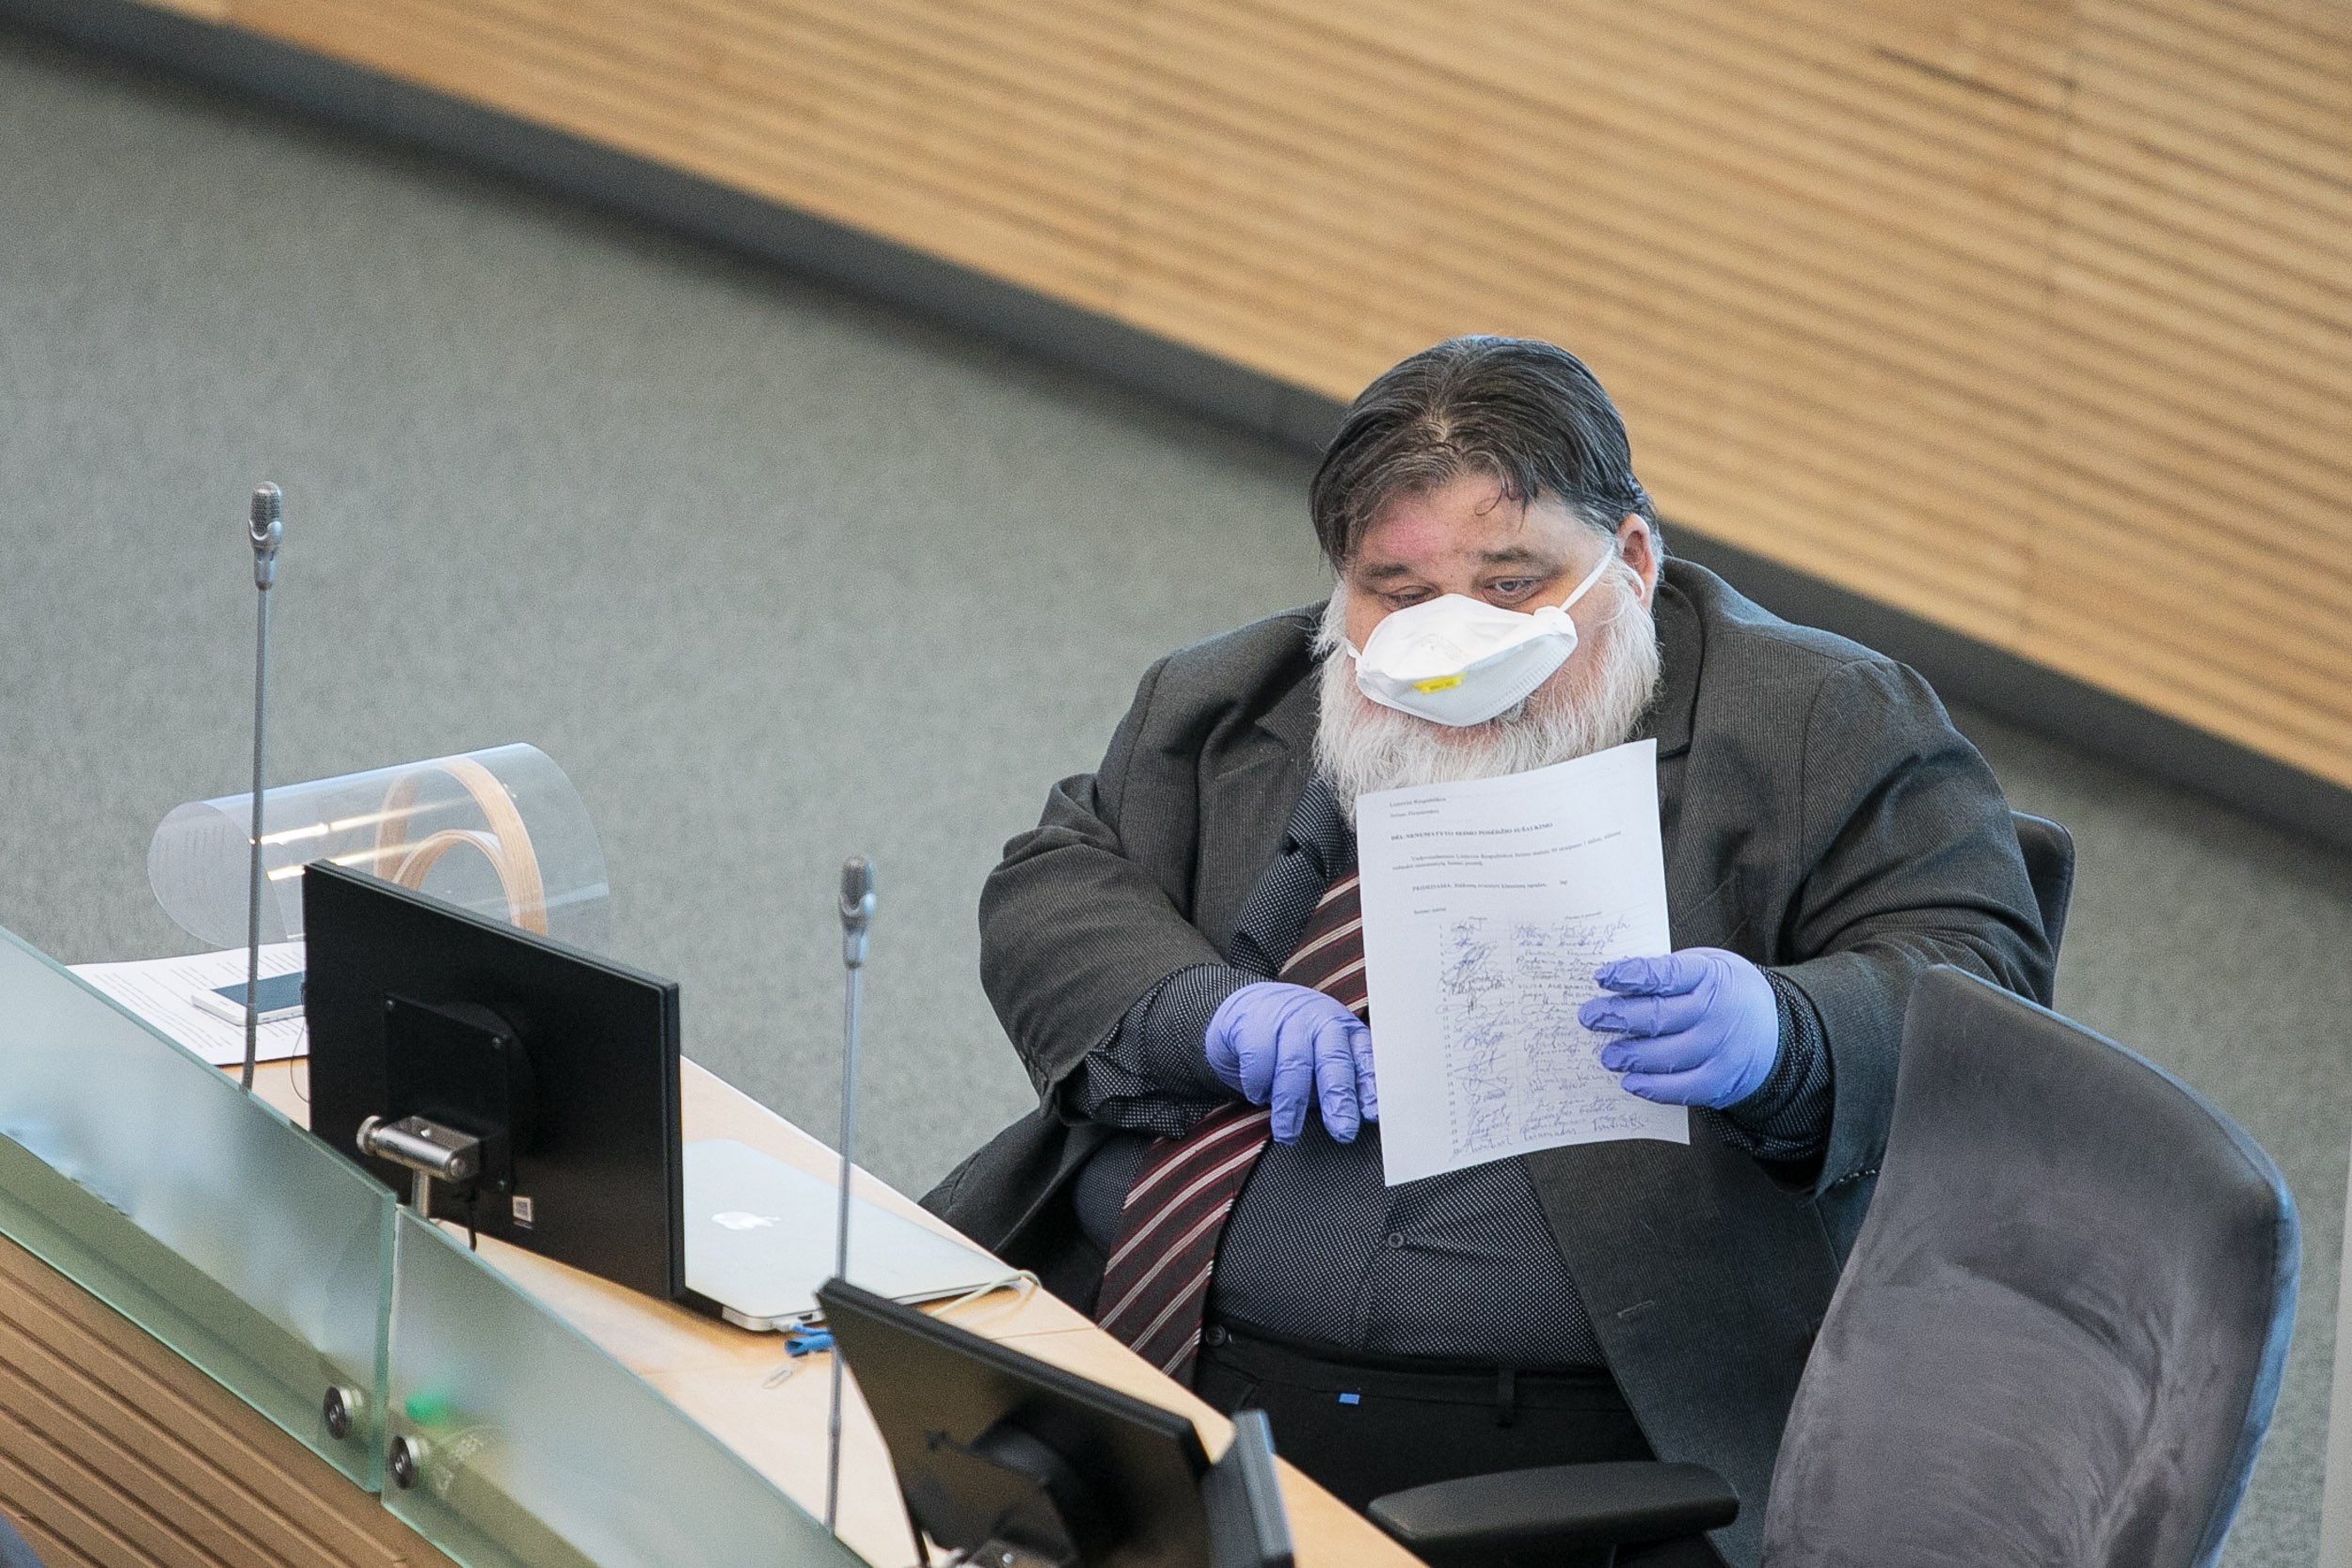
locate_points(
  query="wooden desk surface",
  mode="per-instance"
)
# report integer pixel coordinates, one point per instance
(717, 1373)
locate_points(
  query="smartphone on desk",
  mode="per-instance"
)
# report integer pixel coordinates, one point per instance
(280, 995)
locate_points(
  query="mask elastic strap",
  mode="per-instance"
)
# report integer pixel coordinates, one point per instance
(1590, 578)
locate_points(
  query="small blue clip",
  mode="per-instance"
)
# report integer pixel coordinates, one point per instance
(797, 1343)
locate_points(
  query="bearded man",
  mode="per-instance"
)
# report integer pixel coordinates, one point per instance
(1176, 955)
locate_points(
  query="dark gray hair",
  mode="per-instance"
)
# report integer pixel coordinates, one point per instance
(1523, 411)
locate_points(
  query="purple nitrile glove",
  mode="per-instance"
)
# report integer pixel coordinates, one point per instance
(1694, 1027)
(1290, 1046)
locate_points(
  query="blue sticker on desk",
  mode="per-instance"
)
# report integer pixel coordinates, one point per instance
(1351, 1398)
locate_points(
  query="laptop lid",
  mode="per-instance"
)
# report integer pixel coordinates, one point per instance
(759, 1240)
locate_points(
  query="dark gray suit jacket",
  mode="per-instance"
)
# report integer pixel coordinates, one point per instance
(1820, 816)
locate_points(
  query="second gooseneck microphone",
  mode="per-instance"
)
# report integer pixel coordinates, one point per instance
(857, 918)
(265, 526)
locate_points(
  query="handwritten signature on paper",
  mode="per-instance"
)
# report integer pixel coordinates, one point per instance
(1520, 1065)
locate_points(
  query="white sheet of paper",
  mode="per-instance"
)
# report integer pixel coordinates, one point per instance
(1487, 906)
(159, 991)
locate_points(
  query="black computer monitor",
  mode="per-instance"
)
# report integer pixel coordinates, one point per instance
(565, 1065)
(994, 1447)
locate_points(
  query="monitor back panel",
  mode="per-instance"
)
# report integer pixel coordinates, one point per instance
(935, 1390)
(599, 1177)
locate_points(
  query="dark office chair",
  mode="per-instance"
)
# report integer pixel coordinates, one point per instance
(2059, 1338)
(2062, 1330)
(2049, 851)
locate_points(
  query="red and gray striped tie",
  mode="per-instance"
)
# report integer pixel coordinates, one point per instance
(1157, 1283)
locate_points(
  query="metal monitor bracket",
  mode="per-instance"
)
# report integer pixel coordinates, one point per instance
(428, 1149)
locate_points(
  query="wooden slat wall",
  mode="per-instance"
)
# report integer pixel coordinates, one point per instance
(114, 1453)
(2033, 317)
(2197, 395)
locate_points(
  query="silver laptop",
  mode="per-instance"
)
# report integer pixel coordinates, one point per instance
(759, 1240)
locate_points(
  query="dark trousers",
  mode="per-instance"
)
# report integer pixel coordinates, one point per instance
(1365, 1426)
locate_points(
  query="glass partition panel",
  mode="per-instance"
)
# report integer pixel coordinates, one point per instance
(533, 1448)
(195, 1211)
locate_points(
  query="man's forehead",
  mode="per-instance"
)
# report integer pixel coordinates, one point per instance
(1466, 521)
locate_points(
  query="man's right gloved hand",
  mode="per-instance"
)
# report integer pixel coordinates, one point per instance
(1292, 1047)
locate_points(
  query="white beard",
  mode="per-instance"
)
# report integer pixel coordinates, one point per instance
(1589, 704)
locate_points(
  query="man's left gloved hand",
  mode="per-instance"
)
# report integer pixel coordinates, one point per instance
(1695, 1027)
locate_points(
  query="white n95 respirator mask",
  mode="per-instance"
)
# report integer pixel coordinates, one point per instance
(1460, 661)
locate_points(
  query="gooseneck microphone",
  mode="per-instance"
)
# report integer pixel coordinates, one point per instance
(857, 917)
(265, 526)
(857, 909)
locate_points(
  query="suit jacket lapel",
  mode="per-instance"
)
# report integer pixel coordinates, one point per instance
(1681, 647)
(1247, 793)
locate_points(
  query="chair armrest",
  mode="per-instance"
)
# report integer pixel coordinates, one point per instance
(1557, 1508)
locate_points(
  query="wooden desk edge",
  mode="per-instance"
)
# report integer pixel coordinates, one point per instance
(717, 1373)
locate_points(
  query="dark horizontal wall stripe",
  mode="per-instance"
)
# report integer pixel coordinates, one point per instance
(1964, 669)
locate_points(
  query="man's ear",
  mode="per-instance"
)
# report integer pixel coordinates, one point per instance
(1638, 546)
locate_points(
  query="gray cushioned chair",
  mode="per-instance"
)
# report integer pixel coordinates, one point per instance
(2058, 1342)
(2049, 852)
(2060, 1334)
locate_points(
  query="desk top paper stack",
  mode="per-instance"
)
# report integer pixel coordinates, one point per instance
(159, 993)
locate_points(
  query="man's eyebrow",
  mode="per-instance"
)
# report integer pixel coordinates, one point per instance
(1516, 555)
(1387, 573)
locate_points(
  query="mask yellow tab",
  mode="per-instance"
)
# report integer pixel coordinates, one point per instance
(1438, 682)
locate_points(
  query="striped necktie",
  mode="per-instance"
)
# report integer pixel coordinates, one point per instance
(1156, 1285)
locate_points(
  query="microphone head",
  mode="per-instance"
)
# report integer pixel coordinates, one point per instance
(265, 527)
(857, 892)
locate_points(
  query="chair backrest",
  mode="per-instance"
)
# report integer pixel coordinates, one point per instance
(2049, 851)
(2061, 1333)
